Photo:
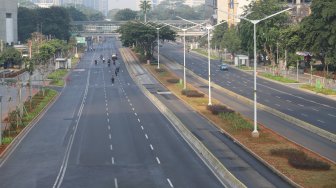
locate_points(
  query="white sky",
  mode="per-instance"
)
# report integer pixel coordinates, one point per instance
(121, 4)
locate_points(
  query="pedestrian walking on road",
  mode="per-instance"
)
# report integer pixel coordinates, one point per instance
(112, 79)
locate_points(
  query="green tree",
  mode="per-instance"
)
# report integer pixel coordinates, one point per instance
(145, 6)
(231, 41)
(144, 37)
(27, 22)
(217, 35)
(268, 31)
(54, 21)
(76, 15)
(319, 30)
(291, 39)
(125, 14)
(10, 57)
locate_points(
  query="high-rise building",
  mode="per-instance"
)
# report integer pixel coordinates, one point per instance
(8, 21)
(229, 10)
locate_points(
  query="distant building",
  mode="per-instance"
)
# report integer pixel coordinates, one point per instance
(228, 10)
(8, 21)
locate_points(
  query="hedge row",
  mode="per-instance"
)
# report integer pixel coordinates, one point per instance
(298, 159)
(218, 109)
(192, 93)
(173, 80)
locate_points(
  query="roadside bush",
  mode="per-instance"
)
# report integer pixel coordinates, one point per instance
(298, 159)
(191, 93)
(217, 109)
(173, 80)
(160, 70)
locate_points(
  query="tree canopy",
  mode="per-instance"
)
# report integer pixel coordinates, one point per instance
(319, 29)
(10, 57)
(54, 21)
(144, 36)
(268, 30)
(125, 15)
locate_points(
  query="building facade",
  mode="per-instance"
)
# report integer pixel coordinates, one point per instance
(229, 10)
(8, 21)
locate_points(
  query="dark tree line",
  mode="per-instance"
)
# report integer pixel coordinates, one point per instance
(54, 22)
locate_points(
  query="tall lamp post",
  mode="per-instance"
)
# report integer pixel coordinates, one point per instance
(184, 54)
(255, 132)
(209, 27)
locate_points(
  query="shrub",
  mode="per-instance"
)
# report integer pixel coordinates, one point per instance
(160, 70)
(191, 93)
(298, 159)
(217, 109)
(173, 80)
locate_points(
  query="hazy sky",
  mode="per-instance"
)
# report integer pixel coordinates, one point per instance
(121, 4)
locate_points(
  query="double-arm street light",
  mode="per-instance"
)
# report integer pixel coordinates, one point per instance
(209, 27)
(255, 132)
(184, 53)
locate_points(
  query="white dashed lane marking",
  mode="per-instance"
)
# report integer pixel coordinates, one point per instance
(332, 115)
(158, 160)
(151, 146)
(170, 183)
(320, 121)
(146, 136)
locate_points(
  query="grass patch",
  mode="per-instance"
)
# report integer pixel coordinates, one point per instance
(7, 140)
(245, 68)
(205, 53)
(324, 91)
(278, 78)
(57, 77)
(240, 128)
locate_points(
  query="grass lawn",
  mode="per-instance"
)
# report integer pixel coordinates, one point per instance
(278, 78)
(205, 53)
(240, 128)
(324, 91)
(57, 77)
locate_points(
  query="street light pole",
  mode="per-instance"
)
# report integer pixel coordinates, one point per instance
(255, 132)
(184, 61)
(158, 36)
(209, 69)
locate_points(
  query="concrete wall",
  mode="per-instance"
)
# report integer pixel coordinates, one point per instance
(8, 21)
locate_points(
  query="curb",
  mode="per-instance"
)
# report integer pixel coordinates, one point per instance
(208, 158)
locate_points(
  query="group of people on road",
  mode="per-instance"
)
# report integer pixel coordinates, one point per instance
(115, 63)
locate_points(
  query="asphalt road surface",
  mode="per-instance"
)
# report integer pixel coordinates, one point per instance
(99, 134)
(313, 109)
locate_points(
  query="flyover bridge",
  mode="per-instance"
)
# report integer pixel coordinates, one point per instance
(108, 28)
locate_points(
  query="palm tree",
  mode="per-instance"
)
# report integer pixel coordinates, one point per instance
(145, 6)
